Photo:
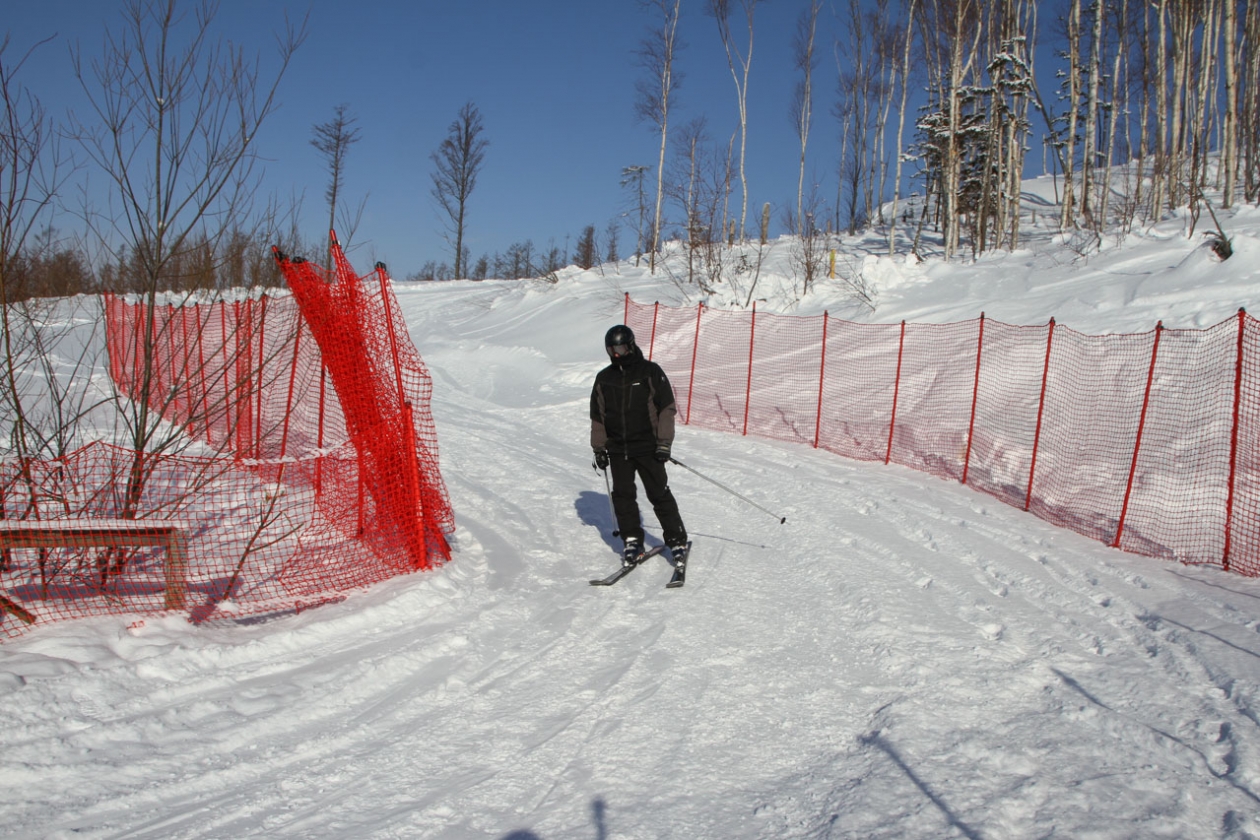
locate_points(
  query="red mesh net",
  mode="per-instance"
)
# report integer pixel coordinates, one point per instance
(1145, 442)
(307, 463)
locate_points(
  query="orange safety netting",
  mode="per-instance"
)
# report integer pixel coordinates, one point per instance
(1146, 442)
(306, 462)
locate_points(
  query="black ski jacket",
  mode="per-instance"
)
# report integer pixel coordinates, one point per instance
(632, 408)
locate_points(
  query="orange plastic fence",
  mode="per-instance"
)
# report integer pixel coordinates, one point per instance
(1146, 442)
(308, 462)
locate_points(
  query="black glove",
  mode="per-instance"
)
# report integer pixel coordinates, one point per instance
(662, 452)
(601, 459)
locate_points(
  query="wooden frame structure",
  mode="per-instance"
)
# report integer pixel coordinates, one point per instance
(100, 533)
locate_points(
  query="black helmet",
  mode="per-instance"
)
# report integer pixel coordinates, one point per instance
(619, 342)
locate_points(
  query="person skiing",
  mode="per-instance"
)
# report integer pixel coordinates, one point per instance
(632, 432)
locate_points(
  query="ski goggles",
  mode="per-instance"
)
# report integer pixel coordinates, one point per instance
(619, 350)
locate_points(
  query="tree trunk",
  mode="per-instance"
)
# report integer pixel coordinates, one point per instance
(1229, 129)
(901, 124)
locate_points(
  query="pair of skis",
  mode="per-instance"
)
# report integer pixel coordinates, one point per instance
(678, 579)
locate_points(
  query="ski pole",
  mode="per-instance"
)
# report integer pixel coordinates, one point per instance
(782, 519)
(611, 509)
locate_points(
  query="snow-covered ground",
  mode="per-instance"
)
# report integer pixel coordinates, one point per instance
(904, 658)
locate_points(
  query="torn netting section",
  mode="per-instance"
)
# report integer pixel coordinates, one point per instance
(299, 461)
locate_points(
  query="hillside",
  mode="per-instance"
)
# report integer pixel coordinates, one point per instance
(904, 658)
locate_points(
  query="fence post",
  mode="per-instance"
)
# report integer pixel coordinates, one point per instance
(319, 439)
(187, 372)
(203, 411)
(1233, 443)
(362, 482)
(108, 310)
(406, 418)
(892, 423)
(1041, 407)
(389, 326)
(137, 343)
(752, 337)
(288, 400)
(625, 316)
(412, 466)
(261, 361)
(1137, 444)
(240, 402)
(975, 396)
(656, 311)
(229, 415)
(695, 346)
(822, 370)
(168, 374)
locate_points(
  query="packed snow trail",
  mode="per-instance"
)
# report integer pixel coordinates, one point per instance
(905, 658)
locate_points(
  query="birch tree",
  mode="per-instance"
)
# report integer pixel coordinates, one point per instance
(802, 106)
(1249, 103)
(856, 109)
(739, 60)
(1089, 156)
(1073, 97)
(907, 42)
(656, 56)
(1229, 127)
(962, 33)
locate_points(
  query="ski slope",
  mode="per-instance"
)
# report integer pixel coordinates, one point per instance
(904, 658)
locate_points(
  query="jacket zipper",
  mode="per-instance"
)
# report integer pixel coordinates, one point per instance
(625, 399)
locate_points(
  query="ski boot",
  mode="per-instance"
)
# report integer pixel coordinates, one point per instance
(632, 554)
(679, 553)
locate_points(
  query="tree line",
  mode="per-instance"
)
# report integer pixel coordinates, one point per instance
(1151, 106)
(1136, 108)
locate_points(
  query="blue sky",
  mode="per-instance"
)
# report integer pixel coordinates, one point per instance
(553, 79)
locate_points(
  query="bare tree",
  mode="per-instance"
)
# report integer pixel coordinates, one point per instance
(688, 186)
(30, 171)
(178, 112)
(1008, 62)
(701, 178)
(951, 36)
(802, 107)
(907, 42)
(810, 247)
(1249, 106)
(1118, 107)
(612, 253)
(721, 10)
(458, 161)
(333, 139)
(656, 55)
(865, 91)
(1229, 127)
(39, 412)
(1093, 96)
(632, 178)
(1249, 112)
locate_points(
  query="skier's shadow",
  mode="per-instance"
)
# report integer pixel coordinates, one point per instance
(598, 810)
(592, 508)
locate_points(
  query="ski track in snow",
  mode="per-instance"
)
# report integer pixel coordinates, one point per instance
(904, 658)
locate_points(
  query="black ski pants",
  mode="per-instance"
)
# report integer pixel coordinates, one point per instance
(655, 486)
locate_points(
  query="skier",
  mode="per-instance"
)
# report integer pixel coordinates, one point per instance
(632, 431)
